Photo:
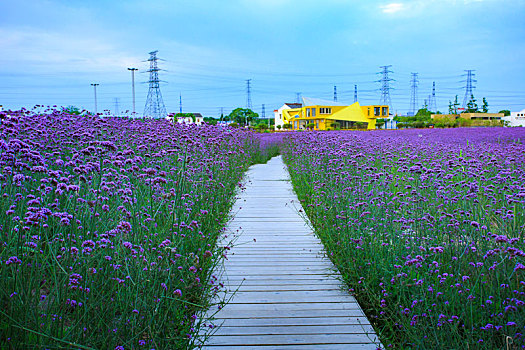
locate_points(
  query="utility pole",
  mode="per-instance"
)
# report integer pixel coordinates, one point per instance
(469, 87)
(117, 107)
(335, 93)
(180, 102)
(355, 93)
(298, 97)
(413, 95)
(133, 88)
(432, 105)
(95, 89)
(385, 86)
(263, 115)
(248, 94)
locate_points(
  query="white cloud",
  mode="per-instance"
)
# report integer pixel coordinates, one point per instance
(392, 7)
(30, 49)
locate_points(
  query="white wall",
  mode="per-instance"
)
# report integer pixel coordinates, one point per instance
(188, 120)
(278, 117)
(516, 118)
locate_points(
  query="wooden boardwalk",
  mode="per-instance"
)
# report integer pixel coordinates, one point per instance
(289, 296)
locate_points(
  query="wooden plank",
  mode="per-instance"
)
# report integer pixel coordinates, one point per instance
(293, 329)
(273, 280)
(264, 257)
(313, 283)
(281, 298)
(227, 312)
(236, 305)
(281, 287)
(282, 265)
(289, 321)
(331, 346)
(279, 339)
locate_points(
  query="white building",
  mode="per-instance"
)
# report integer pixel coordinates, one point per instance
(278, 113)
(516, 118)
(390, 123)
(224, 123)
(198, 119)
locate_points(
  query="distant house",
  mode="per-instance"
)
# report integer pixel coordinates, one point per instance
(197, 118)
(224, 123)
(475, 119)
(516, 118)
(278, 113)
(319, 114)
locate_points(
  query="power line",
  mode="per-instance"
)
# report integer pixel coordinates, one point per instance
(335, 93)
(117, 107)
(469, 87)
(413, 95)
(248, 94)
(385, 86)
(432, 105)
(355, 93)
(155, 107)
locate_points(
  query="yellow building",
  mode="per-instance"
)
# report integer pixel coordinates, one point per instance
(322, 115)
(470, 119)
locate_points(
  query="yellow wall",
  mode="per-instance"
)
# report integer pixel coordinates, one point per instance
(352, 113)
(468, 116)
(444, 117)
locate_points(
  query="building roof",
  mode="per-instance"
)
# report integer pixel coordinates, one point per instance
(294, 105)
(309, 101)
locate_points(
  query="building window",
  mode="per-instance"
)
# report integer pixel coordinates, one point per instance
(369, 112)
(377, 111)
(308, 112)
(313, 112)
(295, 124)
(317, 124)
(325, 110)
(385, 111)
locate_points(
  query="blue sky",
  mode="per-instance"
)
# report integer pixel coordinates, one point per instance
(53, 49)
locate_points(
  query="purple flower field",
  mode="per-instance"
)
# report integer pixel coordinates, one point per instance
(427, 228)
(108, 228)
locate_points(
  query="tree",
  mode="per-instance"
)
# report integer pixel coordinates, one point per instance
(505, 112)
(472, 106)
(262, 126)
(287, 126)
(72, 110)
(310, 126)
(279, 126)
(185, 115)
(243, 116)
(450, 107)
(210, 120)
(456, 105)
(423, 113)
(485, 107)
